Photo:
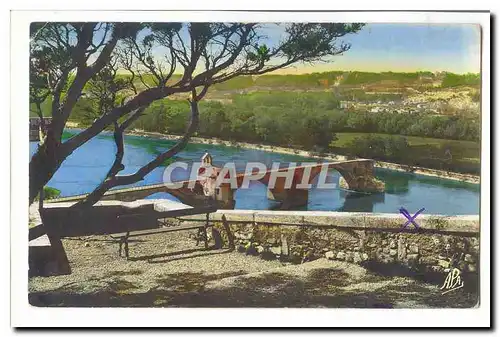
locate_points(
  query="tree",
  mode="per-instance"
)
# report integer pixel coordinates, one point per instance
(66, 57)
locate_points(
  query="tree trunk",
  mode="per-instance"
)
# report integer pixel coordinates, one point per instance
(44, 163)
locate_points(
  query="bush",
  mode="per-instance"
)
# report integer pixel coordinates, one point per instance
(455, 80)
(394, 148)
(49, 193)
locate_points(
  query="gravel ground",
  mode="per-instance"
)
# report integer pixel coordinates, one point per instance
(170, 270)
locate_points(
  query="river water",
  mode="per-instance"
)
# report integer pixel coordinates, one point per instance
(88, 165)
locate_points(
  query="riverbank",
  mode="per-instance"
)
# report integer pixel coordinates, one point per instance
(329, 156)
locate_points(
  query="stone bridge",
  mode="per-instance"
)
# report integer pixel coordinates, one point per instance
(356, 175)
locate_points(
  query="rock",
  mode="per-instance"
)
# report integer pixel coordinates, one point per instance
(357, 257)
(246, 236)
(444, 263)
(469, 258)
(384, 242)
(393, 244)
(356, 249)
(284, 246)
(271, 241)
(387, 259)
(393, 252)
(401, 252)
(471, 268)
(435, 240)
(349, 257)
(386, 250)
(330, 255)
(428, 260)
(441, 257)
(324, 250)
(414, 249)
(364, 256)
(412, 258)
(340, 256)
(86, 244)
(259, 249)
(275, 250)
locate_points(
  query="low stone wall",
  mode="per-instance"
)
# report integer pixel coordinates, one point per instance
(440, 243)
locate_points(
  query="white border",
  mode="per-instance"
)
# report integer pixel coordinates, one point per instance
(25, 315)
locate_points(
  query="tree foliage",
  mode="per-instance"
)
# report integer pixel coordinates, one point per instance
(72, 60)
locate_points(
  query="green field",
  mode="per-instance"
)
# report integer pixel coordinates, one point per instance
(465, 154)
(469, 148)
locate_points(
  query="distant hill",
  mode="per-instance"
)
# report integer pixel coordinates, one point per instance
(351, 79)
(344, 79)
(351, 84)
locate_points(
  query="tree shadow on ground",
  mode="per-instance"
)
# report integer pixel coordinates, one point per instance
(156, 256)
(470, 280)
(326, 287)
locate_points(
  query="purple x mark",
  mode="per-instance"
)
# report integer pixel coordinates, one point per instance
(410, 218)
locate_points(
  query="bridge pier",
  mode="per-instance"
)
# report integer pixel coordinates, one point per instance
(224, 195)
(359, 177)
(289, 198)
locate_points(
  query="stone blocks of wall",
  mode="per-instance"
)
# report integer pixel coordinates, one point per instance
(439, 244)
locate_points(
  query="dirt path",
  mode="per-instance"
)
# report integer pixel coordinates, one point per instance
(170, 270)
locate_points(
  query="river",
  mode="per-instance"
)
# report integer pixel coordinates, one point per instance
(88, 165)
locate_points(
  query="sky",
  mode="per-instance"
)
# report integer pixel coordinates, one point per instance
(396, 47)
(403, 48)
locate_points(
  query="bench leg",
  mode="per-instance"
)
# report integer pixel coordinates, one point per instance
(230, 237)
(205, 234)
(123, 245)
(126, 245)
(126, 250)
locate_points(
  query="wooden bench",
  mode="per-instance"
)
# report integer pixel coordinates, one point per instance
(109, 217)
(123, 238)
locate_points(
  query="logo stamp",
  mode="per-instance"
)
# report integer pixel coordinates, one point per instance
(452, 282)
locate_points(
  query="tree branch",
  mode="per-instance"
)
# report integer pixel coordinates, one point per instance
(118, 136)
(83, 75)
(114, 181)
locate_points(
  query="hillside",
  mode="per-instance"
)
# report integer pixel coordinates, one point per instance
(443, 93)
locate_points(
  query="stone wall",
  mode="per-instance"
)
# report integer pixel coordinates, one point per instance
(439, 244)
